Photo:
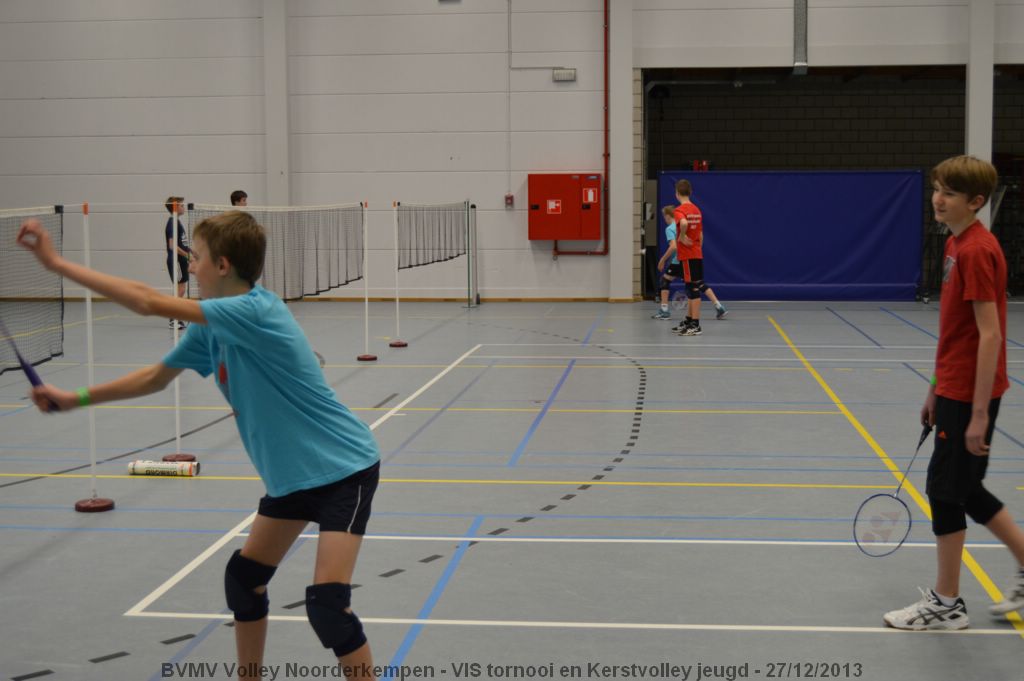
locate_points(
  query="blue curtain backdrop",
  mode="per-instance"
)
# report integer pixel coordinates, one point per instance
(806, 235)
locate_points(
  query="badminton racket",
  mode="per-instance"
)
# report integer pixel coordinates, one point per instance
(30, 371)
(882, 522)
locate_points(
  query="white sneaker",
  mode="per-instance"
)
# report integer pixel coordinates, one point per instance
(929, 614)
(1014, 597)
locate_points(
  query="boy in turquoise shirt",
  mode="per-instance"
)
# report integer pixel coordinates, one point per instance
(318, 461)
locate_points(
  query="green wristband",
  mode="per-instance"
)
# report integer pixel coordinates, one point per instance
(84, 399)
(934, 380)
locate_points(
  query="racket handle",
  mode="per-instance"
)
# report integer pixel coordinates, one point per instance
(30, 372)
(33, 378)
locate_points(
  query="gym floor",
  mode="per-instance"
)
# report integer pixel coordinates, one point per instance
(568, 490)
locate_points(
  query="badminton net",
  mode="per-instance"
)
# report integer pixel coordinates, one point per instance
(431, 233)
(31, 297)
(310, 249)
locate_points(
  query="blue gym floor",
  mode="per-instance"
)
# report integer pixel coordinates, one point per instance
(568, 490)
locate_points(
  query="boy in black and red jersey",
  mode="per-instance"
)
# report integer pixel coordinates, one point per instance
(689, 242)
(963, 399)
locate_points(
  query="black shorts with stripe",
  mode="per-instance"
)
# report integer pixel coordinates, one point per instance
(693, 270)
(342, 506)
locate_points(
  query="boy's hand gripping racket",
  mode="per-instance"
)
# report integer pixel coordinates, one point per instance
(30, 371)
(882, 522)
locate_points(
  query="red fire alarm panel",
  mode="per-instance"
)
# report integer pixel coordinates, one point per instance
(564, 206)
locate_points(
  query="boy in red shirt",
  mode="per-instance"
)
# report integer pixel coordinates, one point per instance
(963, 399)
(689, 239)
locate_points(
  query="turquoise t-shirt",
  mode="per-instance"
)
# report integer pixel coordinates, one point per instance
(670, 236)
(296, 432)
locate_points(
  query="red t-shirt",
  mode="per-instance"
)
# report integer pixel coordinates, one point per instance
(974, 269)
(689, 214)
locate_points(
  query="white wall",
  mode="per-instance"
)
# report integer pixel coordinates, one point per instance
(132, 100)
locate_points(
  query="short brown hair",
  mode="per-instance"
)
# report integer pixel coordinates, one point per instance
(684, 188)
(668, 211)
(173, 201)
(236, 236)
(968, 175)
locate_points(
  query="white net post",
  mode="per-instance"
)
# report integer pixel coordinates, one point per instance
(397, 342)
(366, 356)
(472, 292)
(94, 502)
(90, 354)
(178, 234)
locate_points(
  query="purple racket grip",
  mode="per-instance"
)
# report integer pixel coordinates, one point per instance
(30, 371)
(33, 377)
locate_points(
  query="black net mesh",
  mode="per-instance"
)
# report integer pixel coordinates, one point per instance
(309, 249)
(31, 297)
(429, 234)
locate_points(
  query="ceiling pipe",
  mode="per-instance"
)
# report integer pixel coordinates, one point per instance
(605, 214)
(799, 37)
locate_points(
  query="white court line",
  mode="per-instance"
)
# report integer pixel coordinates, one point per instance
(196, 562)
(643, 626)
(419, 392)
(627, 540)
(237, 530)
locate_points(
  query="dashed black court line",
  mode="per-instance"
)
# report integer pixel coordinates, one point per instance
(33, 675)
(627, 448)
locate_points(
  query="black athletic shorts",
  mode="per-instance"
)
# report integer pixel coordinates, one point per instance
(182, 265)
(674, 270)
(342, 506)
(954, 473)
(693, 270)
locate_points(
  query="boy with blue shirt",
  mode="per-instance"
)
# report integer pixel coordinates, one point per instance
(318, 461)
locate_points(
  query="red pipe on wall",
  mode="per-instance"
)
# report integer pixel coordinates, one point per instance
(605, 215)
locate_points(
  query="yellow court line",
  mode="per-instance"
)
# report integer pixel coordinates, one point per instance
(461, 481)
(979, 573)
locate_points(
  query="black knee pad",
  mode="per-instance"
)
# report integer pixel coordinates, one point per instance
(336, 628)
(703, 287)
(663, 283)
(241, 576)
(947, 517)
(982, 506)
(693, 289)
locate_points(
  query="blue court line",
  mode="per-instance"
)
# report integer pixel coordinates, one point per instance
(593, 327)
(998, 429)
(853, 326)
(435, 595)
(436, 415)
(154, 530)
(1010, 341)
(124, 509)
(11, 412)
(192, 644)
(813, 521)
(909, 323)
(521, 447)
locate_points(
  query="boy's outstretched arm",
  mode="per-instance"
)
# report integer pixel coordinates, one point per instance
(141, 382)
(134, 295)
